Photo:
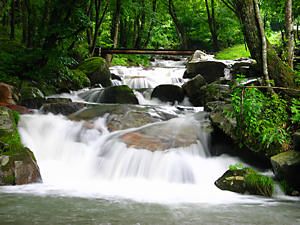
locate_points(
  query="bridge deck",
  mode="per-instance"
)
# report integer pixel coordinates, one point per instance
(105, 51)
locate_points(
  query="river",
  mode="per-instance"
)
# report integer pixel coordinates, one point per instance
(91, 177)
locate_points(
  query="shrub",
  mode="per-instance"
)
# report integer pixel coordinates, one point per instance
(261, 120)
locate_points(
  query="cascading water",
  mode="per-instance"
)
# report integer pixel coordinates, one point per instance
(91, 174)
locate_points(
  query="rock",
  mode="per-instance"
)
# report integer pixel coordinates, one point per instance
(244, 181)
(116, 77)
(66, 108)
(178, 133)
(220, 120)
(118, 94)
(201, 56)
(121, 117)
(168, 93)
(18, 108)
(17, 163)
(215, 92)
(6, 121)
(296, 141)
(211, 70)
(192, 90)
(286, 167)
(7, 94)
(31, 97)
(246, 67)
(19, 168)
(97, 71)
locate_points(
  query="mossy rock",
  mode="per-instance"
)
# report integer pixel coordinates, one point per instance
(97, 71)
(118, 94)
(168, 93)
(7, 123)
(286, 167)
(246, 180)
(31, 96)
(19, 167)
(80, 79)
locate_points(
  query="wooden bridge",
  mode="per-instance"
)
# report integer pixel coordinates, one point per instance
(110, 51)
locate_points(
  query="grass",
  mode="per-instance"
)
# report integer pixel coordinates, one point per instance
(260, 184)
(235, 52)
(131, 60)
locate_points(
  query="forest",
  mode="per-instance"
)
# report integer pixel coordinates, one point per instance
(59, 94)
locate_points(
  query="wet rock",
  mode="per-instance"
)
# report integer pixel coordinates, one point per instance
(17, 163)
(116, 77)
(244, 181)
(201, 56)
(18, 108)
(19, 168)
(286, 167)
(210, 70)
(246, 67)
(6, 121)
(192, 90)
(296, 141)
(7, 94)
(118, 94)
(31, 97)
(168, 93)
(119, 117)
(97, 71)
(66, 108)
(178, 133)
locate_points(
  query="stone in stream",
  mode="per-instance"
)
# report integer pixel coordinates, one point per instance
(192, 90)
(245, 180)
(120, 117)
(118, 94)
(17, 163)
(97, 71)
(286, 166)
(31, 96)
(168, 93)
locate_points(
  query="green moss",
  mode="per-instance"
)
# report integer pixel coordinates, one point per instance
(235, 52)
(92, 64)
(259, 184)
(10, 179)
(80, 79)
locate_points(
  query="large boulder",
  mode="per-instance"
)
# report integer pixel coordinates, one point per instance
(192, 90)
(63, 108)
(121, 117)
(168, 93)
(97, 71)
(286, 167)
(7, 94)
(17, 163)
(31, 96)
(211, 70)
(245, 180)
(118, 94)
(19, 168)
(178, 133)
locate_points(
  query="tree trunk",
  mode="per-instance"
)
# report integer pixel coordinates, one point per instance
(289, 32)
(12, 20)
(179, 27)
(212, 24)
(154, 7)
(140, 26)
(278, 71)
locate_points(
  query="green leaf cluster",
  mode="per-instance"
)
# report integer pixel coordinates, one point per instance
(262, 120)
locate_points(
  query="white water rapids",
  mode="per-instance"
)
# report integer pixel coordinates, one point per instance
(77, 161)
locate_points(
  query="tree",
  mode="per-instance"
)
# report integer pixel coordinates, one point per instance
(278, 70)
(289, 31)
(212, 23)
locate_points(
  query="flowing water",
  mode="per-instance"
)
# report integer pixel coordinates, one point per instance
(90, 176)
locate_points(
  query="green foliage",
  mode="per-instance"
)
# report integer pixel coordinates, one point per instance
(261, 120)
(295, 109)
(260, 184)
(131, 60)
(237, 166)
(235, 52)
(285, 187)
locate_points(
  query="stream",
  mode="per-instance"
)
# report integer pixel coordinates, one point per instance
(92, 175)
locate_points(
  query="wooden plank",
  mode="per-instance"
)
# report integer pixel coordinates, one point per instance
(105, 51)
